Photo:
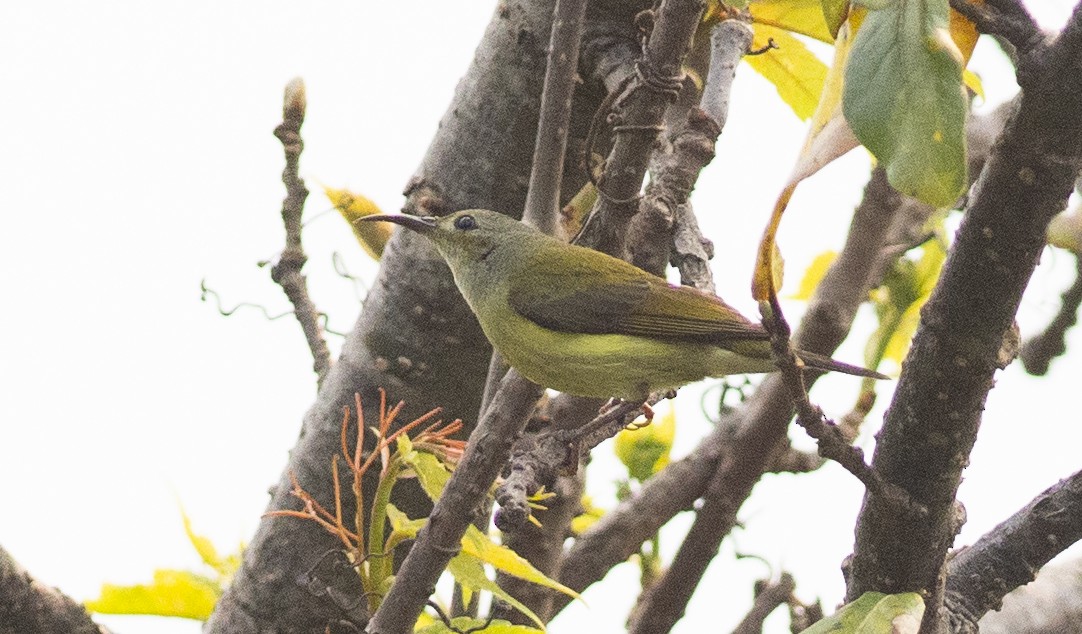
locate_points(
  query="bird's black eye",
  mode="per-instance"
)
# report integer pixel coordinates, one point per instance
(465, 223)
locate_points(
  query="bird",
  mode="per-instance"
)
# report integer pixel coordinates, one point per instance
(588, 324)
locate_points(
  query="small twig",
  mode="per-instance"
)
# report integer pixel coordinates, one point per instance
(287, 271)
(1009, 555)
(537, 460)
(691, 251)
(810, 417)
(543, 197)
(769, 596)
(1038, 352)
(770, 45)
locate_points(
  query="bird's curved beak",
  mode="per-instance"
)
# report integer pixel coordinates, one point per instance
(416, 223)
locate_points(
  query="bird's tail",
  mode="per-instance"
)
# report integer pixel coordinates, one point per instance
(822, 362)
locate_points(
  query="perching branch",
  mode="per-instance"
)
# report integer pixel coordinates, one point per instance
(539, 460)
(1010, 555)
(933, 420)
(287, 271)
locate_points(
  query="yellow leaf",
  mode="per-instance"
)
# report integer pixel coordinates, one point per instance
(799, 16)
(796, 72)
(1065, 230)
(477, 544)
(172, 593)
(765, 282)
(898, 344)
(589, 517)
(469, 572)
(372, 236)
(815, 273)
(225, 566)
(577, 209)
(963, 32)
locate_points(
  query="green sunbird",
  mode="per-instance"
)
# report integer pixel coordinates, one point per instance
(586, 323)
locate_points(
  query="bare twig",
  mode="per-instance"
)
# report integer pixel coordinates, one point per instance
(831, 441)
(769, 596)
(1008, 556)
(543, 197)
(932, 422)
(1038, 352)
(638, 114)
(287, 271)
(488, 449)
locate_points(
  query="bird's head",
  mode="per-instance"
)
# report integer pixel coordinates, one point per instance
(468, 236)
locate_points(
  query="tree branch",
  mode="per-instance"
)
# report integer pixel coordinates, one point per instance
(638, 114)
(933, 420)
(287, 271)
(769, 596)
(1038, 352)
(28, 606)
(1010, 555)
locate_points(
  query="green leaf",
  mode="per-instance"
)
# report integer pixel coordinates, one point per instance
(468, 623)
(875, 613)
(172, 593)
(432, 474)
(906, 287)
(903, 98)
(469, 572)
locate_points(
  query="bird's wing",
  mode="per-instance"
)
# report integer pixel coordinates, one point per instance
(593, 293)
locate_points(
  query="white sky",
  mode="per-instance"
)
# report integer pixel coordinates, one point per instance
(138, 159)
